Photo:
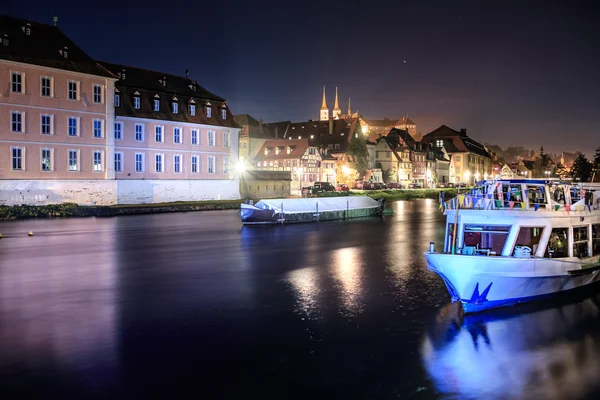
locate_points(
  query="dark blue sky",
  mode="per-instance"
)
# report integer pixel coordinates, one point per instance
(512, 73)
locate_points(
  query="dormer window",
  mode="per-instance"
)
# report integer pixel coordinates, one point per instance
(136, 100)
(64, 52)
(117, 100)
(223, 113)
(208, 110)
(277, 150)
(164, 81)
(192, 86)
(288, 150)
(266, 151)
(192, 109)
(27, 29)
(175, 107)
(122, 74)
(4, 40)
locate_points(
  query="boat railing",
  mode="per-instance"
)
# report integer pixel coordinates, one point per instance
(489, 202)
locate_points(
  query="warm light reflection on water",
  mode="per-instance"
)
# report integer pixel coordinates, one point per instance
(305, 283)
(346, 270)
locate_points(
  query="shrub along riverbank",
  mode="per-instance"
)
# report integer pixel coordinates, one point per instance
(73, 210)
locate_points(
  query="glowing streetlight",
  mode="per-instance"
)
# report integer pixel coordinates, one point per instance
(345, 169)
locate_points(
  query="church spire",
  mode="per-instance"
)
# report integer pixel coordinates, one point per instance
(336, 107)
(324, 112)
(324, 104)
(349, 109)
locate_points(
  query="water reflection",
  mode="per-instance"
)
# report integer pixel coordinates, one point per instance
(57, 302)
(346, 270)
(551, 353)
(305, 283)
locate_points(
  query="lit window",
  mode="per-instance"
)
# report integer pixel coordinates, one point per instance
(17, 85)
(98, 161)
(46, 159)
(97, 94)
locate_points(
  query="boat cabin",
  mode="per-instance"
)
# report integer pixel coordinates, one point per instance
(525, 218)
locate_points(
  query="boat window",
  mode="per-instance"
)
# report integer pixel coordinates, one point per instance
(529, 237)
(558, 194)
(595, 239)
(575, 194)
(489, 238)
(580, 241)
(536, 195)
(558, 244)
(511, 193)
(449, 236)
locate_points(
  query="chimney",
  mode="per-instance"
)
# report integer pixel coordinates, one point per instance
(331, 126)
(187, 73)
(55, 20)
(463, 132)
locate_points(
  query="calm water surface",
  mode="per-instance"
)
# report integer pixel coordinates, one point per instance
(196, 304)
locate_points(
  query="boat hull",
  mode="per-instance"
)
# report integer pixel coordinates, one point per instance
(481, 283)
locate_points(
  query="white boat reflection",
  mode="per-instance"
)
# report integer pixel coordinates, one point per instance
(551, 353)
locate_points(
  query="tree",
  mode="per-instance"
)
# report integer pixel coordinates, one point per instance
(582, 168)
(596, 162)
(358, 154)
(345, 172)
(561, 171)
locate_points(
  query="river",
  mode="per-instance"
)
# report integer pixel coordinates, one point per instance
(194, 304)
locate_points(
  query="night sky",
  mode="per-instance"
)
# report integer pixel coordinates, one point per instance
(512, 73)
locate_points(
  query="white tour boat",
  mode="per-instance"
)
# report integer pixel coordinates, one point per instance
(510, 241)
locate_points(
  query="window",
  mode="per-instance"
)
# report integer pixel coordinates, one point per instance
(17, 85)
(177, 135)
(211, 164)
(73, 90)
(336, 146)
(17, 158)
(458, 158)
(158, 137)
(159, 163)
(136, 102)
(156, 105)
(118, 162)
(119, 130)
(192, 109)
(195, 136)
(224, 113)
(98, 161)
(595, 239)
(139, 132)
(439, 143)
(46, 124)
(226, 139)
(117, 100)
(73, 160)
(225, 165)
(46, 86)
(73, 126)
(208, 111)
(98, 129)
(194, 164)
(46, 159)
(558, 244)
(177, 163)
(529, 237)
(211, 138)
(490, 237)
(17, 121)
(175, 107)
(536, 196)
(580, 241)
(97, 94)
(139, 162)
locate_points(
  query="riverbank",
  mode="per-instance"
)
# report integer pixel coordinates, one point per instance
(8, 213)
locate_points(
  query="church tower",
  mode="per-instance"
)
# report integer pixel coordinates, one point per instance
(336, 107)
(349, 109)
(324, 114)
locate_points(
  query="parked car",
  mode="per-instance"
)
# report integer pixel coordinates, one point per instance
(384, 185)
(320, 187)
(450, 185)
(342, 188)
(415, 186)
(441, 185)
(393, 185)
(359, 185)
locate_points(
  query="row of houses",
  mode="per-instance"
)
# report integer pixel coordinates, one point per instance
(93, 132)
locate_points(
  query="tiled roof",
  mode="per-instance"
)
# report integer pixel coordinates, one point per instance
(404, 121)
(44, 46)
(317, 132)
(298, 148)
(383, 123)
(148, 86)
(255, 130)
(456, 142)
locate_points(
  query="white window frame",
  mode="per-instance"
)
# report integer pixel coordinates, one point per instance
(100, 93)
(211, 138)
(50, 88)
(162, 133)
(117, 100)
(156, 105)
(226, 164)
(226, 139)
(21, 123)
(223, 113)
(101, 153)
(180, 139)
(177, 165)
(158, 164)
(77, 160)
(120, 130)
(137, 102)
(141, 132)
(192, 109)
(101, 121)
(21, 157)
(194, 137)
(50, 124)
(69, 91)
(141, 162)
(195, 158)
(51, 159)
(21, 84)
(119, 161)
(208, 112)
(76, 119)
(175, 107)
(211, 168)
